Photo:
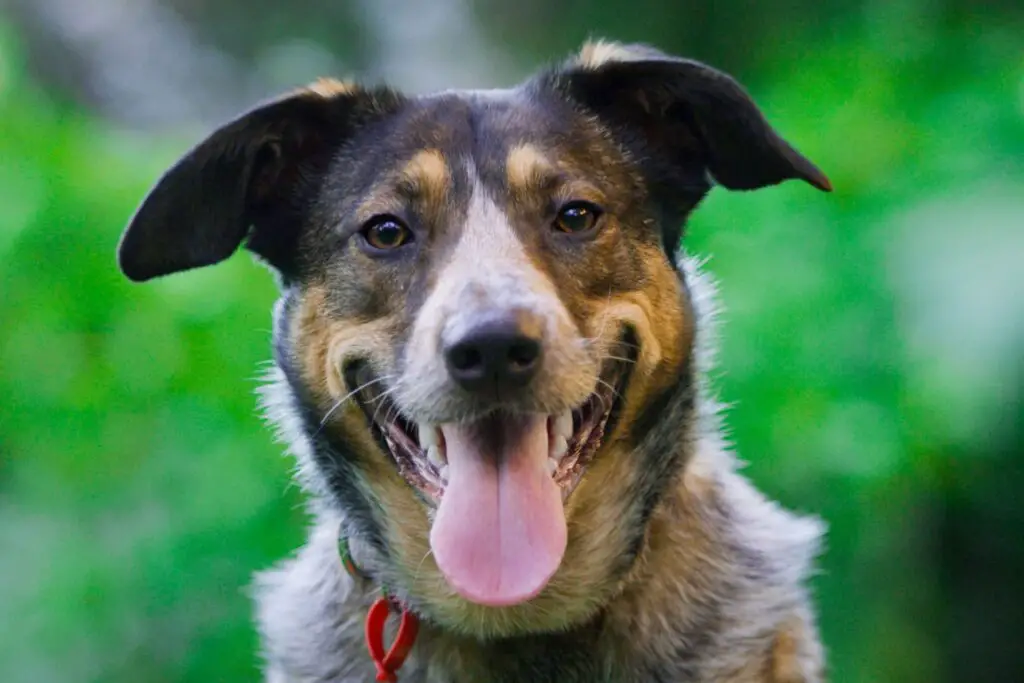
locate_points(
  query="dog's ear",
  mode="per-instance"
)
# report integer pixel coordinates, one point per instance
(685, 110)
(248, 179)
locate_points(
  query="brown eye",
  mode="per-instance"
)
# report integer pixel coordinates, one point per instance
(385, 233)
(577, 217)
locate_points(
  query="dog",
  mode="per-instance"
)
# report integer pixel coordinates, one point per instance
(490, 354)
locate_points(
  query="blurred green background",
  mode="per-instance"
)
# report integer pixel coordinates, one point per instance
(873, 344)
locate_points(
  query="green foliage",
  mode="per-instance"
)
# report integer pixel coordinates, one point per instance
(868, 345)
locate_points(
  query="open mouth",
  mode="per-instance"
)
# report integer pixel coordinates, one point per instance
(498, 483)
(574, 436)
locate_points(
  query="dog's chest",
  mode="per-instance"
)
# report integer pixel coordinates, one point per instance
(581, 657)
(564, 658)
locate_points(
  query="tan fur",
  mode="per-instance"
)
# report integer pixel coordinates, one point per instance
(663, 328)
(531, 174)
(662, 323)
(596, 53)
(328, 88)
(313, 329)
(424, 179)
(785, 660)
(679, 544)
(427, 175)
(326, 342)
(526, 167)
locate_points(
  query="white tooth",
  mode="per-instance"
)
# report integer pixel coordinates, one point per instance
(434, 456)
(558, 448)
(552, 466)
(443, 473)
(427, 434)
(563, 425)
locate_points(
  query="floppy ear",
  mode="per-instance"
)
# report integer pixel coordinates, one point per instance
(250, 178)
(686, 110)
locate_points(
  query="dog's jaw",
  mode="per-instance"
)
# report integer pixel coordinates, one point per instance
(419, 447)
(533, 462)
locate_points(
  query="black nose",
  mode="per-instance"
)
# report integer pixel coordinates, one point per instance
(496, 356)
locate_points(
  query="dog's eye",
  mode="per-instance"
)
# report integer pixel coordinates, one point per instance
(385, 233)
(577, 217)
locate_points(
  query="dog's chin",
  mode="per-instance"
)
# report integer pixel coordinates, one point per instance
(498, 483)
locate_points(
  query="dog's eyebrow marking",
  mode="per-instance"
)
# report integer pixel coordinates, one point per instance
(424, 179)
(328, 88)
(527, 169)
(426, 175)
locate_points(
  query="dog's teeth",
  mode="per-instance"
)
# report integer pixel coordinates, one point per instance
(563, 424)
(443, 473)
(427, 434)
(552, 465)
(558, 448)
(435, 457)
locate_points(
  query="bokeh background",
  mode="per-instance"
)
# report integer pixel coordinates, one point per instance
(873, 345)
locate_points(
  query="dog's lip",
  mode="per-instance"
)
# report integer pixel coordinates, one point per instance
(398, 434)
(393, 430)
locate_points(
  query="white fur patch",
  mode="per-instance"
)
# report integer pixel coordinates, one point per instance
(490, 274)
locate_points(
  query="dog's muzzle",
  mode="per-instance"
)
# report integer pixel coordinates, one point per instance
(500, 477)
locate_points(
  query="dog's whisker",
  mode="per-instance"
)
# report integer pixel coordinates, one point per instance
(383, 400)
(605, 314)
(614, 394)
(416, 574)
(621, 359)
(346, 397)
(593, 341)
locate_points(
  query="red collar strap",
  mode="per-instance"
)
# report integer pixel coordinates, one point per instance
(387, 663)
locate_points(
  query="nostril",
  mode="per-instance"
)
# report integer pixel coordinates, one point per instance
(463, 357)
(523, 353)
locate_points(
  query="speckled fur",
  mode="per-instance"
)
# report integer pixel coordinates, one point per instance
(717, 594)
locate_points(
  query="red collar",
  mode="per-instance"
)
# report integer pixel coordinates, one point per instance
(387, 663)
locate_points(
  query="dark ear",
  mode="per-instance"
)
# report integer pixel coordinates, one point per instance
(687, 110)
(249, 178)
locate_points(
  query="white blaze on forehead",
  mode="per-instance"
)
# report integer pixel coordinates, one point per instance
(489, 273)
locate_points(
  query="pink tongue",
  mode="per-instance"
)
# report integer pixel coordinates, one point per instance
(500, 533)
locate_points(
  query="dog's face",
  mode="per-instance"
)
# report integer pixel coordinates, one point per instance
(481, 314)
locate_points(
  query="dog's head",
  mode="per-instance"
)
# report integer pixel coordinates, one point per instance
(482, 316)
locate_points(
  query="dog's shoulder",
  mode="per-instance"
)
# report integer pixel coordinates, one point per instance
(764, 556)
(720, 592)
(308, 611)
(772, 600)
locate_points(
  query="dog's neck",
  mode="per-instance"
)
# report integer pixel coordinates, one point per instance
(670, 589)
